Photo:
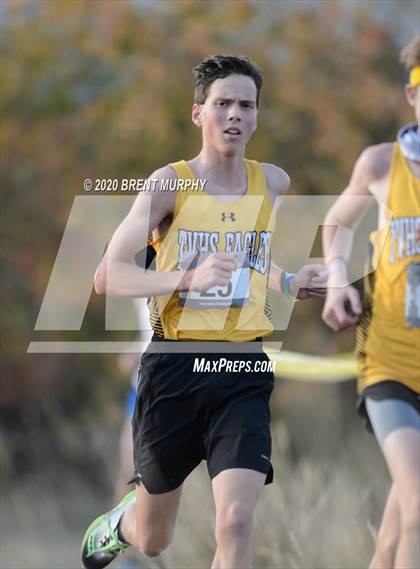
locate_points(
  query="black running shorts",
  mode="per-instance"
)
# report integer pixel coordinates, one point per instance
(183, 416)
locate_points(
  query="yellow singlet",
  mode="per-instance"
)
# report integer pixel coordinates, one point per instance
(204, 224)
(387, 346)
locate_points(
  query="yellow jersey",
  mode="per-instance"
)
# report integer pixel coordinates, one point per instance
(203, 224)
(387, 342)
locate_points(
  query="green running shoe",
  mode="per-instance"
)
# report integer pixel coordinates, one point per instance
(101, 543)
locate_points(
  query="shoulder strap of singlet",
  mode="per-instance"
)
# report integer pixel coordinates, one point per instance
(256, 178)
(184, 172)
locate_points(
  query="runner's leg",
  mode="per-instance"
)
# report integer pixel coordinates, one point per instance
(388, 534)
(149, 523)
(402, 453)
(396, 425)
(235, 492)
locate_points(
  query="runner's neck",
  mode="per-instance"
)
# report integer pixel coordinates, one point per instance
(224, 175)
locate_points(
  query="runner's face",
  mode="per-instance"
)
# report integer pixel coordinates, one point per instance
(228, 117)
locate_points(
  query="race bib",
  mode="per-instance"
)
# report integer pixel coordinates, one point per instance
(412, 296)
(235, 294)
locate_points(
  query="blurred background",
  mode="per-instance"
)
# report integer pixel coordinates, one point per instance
(104, 90)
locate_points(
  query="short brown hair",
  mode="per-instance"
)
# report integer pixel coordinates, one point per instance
(410, 55)
(221, 66)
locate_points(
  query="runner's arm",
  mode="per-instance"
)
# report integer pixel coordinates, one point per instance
(350, 206)
(343, 305)
(118, 273)
(310, 280)
(346, 212)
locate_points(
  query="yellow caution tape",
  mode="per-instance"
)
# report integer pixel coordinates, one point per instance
(325, 369)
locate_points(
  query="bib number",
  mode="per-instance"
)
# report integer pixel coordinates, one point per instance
(412, 296)
(234, 295)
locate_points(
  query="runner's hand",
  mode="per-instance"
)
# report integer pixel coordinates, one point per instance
(216, 270)
(342, 308)
(310, 282)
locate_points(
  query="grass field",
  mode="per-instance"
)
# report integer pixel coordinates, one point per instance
(320, 513)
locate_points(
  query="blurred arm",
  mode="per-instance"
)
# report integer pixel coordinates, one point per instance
(310, 279)
(277, 182)
(347, 211)
(343, 305)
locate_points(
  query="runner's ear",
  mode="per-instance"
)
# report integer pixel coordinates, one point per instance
(196, 115)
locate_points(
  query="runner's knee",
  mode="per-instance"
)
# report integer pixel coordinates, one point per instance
(410, 515)
(386, 547)
(234, 522)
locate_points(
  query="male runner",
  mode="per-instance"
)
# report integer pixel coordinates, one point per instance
(210, 287)
(388, 334)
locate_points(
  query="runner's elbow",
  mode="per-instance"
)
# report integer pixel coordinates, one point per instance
(99, 283)
(333, 218)
(99, 288)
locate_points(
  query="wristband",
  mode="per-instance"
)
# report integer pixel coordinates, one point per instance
(284, 283)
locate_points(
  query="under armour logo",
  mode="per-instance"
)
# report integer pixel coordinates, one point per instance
(230, 215)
